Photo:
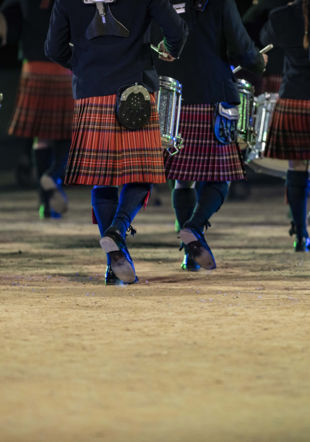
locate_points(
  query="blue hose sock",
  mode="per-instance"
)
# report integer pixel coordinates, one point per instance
(183, 203)
(210, 197)
(131, 200)
(104, 202)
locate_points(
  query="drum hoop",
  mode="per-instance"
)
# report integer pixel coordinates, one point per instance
(246, 92)
(245, 86)
(170, 84)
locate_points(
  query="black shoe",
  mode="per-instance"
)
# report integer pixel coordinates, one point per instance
(302, 245)
(197, 248)
(189, 264)
(112, 279)
(121, 262)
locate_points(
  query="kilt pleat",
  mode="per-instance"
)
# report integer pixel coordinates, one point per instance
(289, 132)
(104, 153)
(44, 106)
(203, 158)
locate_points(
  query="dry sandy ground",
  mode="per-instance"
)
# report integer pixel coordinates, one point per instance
(218, 356)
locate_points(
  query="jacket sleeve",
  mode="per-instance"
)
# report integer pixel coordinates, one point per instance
(267, 34)
(12, 12)
(57, 46)
(174, 28)
(240, 48)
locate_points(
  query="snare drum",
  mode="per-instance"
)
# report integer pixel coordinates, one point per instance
(168, 101)
(246, 113)
(264, 106)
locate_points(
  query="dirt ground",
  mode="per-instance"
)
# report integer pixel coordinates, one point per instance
(213, 356)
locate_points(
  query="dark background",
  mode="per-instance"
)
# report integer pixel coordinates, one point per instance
(15, 151)
(10, 147)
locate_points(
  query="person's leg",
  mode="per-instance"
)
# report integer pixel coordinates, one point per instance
(42, 158)
(211, 196)
(297, 184)
(52, 178)
(25, 167)
(131, 200)
(104, 203)
(183, 202)
(57, 167)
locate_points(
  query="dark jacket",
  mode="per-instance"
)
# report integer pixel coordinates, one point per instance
(285, 29)
(254, 20)
(217, 39)
(103, 65)
(243, 6)
(28, 22)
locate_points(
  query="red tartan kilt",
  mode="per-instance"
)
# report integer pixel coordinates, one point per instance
(44, 105)
(289, 132)
(203, 158)
(104, 153)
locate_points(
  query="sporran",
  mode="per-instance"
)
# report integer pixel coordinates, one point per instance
(133, 107)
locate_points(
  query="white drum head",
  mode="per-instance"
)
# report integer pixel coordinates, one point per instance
(270, 166)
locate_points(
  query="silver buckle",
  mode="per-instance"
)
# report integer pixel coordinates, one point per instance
(172, 152)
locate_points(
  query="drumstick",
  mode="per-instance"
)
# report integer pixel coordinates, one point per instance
(161, 54)
(262, 51)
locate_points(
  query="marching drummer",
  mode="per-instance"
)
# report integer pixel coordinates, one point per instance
(44, 107)
(289, 133)
(210, 157)
(254, 19)
(105, 43)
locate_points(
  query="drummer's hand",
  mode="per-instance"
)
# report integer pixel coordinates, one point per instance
(165, 54)
(3, 30)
